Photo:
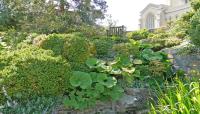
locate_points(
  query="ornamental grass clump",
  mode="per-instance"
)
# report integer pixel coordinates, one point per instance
(179, 98)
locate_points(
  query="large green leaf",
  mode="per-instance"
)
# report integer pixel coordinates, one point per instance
(75, 81)
(94, 76)
(110, 82)
(92, 62)
(101, 77)
(116, 93)
(81, 79)
(124, 61)
(99, 87)
(148, 54)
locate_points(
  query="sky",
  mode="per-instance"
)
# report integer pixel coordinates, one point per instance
(127, 12)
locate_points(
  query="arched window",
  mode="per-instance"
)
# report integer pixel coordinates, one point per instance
(150, 21)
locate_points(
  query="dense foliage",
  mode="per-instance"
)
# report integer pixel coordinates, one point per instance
(138, 35)
(54, 42)
(52, 64)
(37, 105)
(103, 46)
(159, 38)
(30, 72)
(78, 49)
(88, 88)
(43, 16)
(180, 97)
(194, 30)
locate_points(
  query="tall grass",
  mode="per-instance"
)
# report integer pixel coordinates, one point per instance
(182, 97)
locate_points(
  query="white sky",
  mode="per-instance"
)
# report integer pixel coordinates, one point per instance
(127, 12)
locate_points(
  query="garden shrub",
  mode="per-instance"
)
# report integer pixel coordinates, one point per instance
(78, 49)
(76, 66)
(74, 47)
(138, 35)
(91, 31)
(189, 50)
(13, 37)
(158, 34)
(157, 68)
(195, 4)
(161, 43)
(38, 40)
(30, 72)
(194, 31)
(172, 41)
(126, 49)
(179, 28)
(103, 46)
(54, 42)
(120, 39)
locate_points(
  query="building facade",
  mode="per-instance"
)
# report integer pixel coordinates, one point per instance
(156, 16)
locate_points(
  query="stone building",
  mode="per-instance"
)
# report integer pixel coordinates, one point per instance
(156, 16)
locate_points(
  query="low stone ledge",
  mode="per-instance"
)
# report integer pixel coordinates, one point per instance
(133, 102)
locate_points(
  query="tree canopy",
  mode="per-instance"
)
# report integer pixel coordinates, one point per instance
(46, 16)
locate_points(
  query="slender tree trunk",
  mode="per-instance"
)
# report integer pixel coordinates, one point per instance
(62, 5)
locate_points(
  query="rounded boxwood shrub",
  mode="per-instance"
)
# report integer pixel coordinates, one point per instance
(78, 49)
(31, 71)
(54, 42)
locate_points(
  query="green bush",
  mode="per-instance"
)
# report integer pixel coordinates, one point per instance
(126, 49)
(13, 37)
(74, 47)
(172, 41)
(38, 40)
(194, 31)
(161, 43)
(103, 46)
(180, 27)
(195, 4)
(29, 72)
(138, 35)
(54, 42)
(120, 39)
(158, 34)
(78, 49)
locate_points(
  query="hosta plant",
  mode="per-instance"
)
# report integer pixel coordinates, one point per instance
(88, 88)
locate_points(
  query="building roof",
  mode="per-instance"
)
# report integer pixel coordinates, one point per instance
(157, 6)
